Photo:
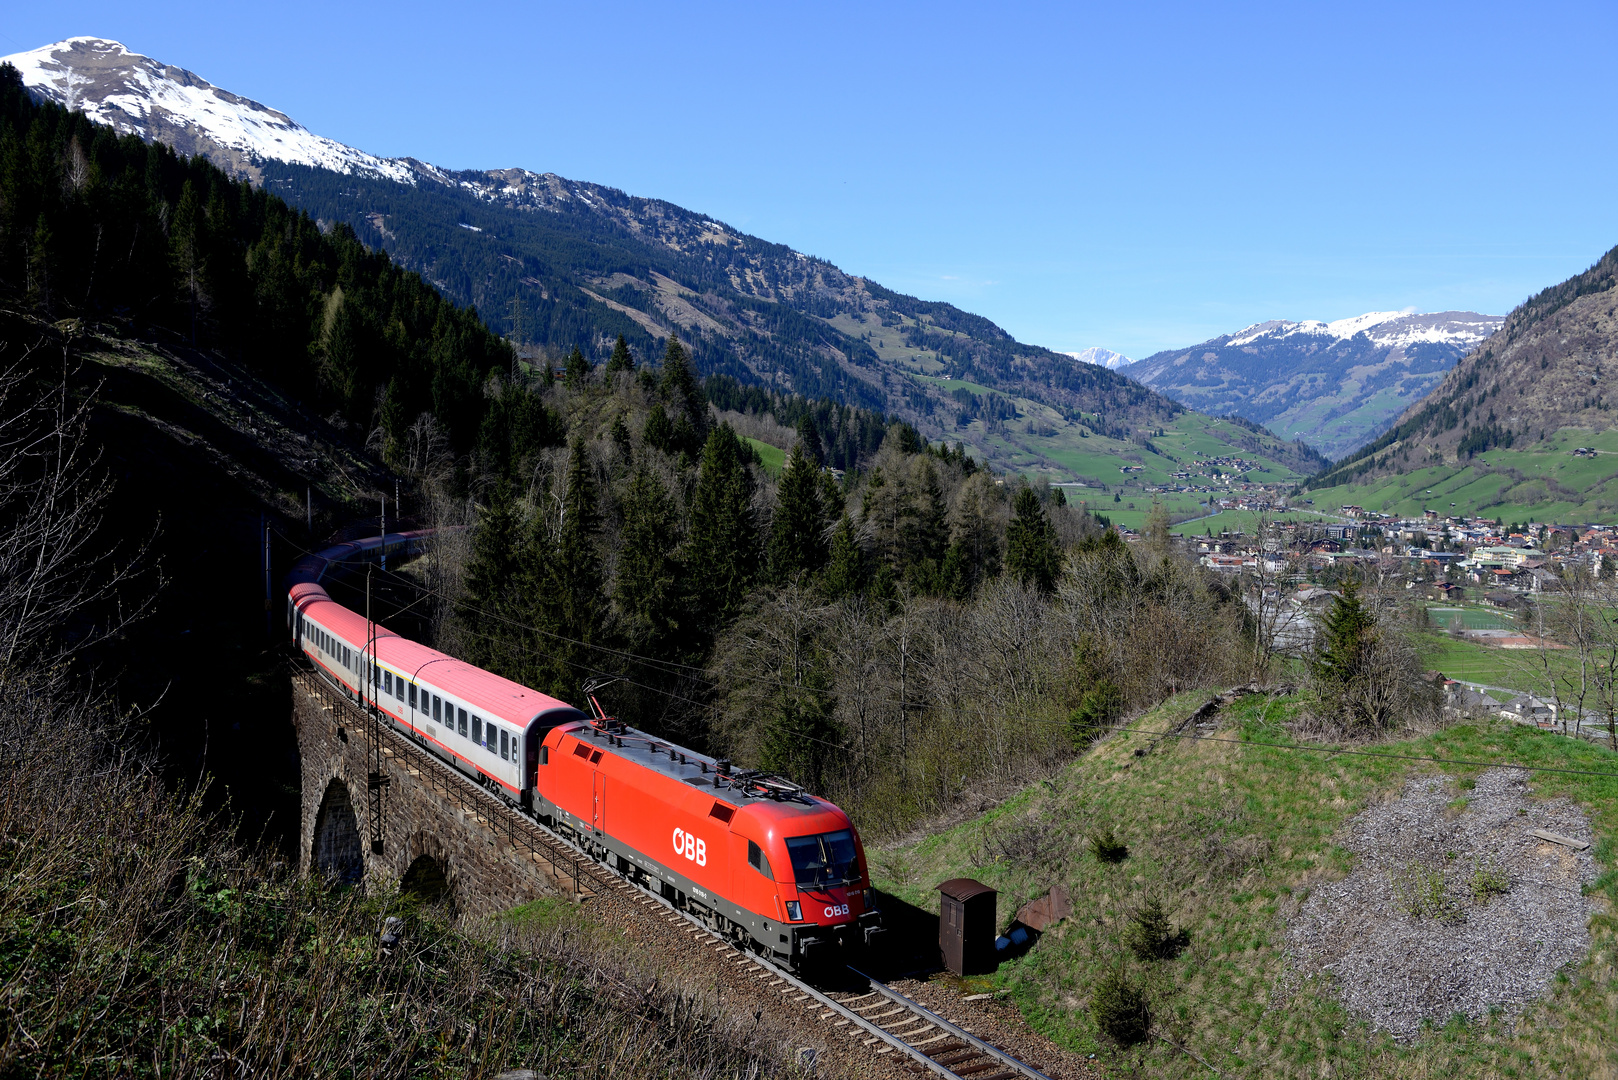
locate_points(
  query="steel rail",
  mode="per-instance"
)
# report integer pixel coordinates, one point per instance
(821, 999)
(986, 1048)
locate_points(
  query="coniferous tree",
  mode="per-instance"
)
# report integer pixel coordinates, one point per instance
(678, 387)
(658, 432)
(1032, 552)
(926, 532)
(486, 639)
(1348, 632)
(578, 368)
(622, 359)
(845, 568)
(809, 439)
(565, 584)
(648, 590)
(723, 538)
(797, 547)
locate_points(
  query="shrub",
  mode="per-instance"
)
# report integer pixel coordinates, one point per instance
(1152, 937)
(1108, 848)
(1120, 1010)
(1098, 710)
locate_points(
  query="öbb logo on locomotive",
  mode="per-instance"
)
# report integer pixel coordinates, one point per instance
(692, 848)
(779, 871)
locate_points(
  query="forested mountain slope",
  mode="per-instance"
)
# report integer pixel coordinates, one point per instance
(1501, 428)
(555, 264)
(1335, 385)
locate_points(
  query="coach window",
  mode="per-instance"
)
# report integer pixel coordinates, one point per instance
(505, 744)
(387, 683)
(412, 695)
(438, 704)
(758, 860)
(460, 717)
(398, 687)
(477, 730)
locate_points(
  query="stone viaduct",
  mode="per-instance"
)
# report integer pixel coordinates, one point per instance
(442, 835)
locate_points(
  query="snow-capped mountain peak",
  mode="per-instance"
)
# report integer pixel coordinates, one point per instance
(138, 95)
(1383, 328)
(1101, 357)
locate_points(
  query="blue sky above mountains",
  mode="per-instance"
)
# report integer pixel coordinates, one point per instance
(1136, 177)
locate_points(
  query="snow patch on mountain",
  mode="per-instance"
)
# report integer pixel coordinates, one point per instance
(1101, 357)
(138, 95)
(1383, 328)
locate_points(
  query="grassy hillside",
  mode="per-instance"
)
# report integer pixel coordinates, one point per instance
(1534, 481)
(1232, 835)
(1496, 431)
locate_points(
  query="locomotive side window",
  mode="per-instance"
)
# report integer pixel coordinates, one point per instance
(544, 755)
(758, 860)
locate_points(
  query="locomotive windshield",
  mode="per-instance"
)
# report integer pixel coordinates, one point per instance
(827, 859)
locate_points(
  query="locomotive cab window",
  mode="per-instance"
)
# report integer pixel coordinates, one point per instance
(758, 860)
(827, 859)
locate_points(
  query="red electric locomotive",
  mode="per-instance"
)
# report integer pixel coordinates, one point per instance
(755, 857)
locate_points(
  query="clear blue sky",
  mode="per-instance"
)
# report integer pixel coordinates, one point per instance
(1134, 176)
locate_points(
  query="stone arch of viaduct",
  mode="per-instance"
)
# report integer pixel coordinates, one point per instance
(440, 832)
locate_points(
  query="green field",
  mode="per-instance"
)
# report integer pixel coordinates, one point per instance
(1231, 836)
(1514, 669)
(1535, 481)
(773, 457)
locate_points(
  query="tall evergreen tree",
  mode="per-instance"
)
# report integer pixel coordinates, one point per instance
(845, 568)
(679, 388)
(925, 530)
(809, 439)
(487, 639)
(722, 545)
(1032, 552)
(648, 590)
(1348, 632)
(622, 359)
(565, 584)
(578, 368)
(797, 547)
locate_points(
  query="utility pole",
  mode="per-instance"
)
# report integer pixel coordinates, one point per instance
(384, 531)
(376, 780)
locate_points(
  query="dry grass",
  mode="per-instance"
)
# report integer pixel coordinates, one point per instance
(134, 941)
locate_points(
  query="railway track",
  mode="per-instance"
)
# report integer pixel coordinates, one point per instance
(855, 1005)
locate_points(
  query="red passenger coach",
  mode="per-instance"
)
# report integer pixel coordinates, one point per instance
(753, 856)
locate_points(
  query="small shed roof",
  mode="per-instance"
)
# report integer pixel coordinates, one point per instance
(963, 888)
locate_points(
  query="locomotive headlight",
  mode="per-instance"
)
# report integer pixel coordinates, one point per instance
(794, 911)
